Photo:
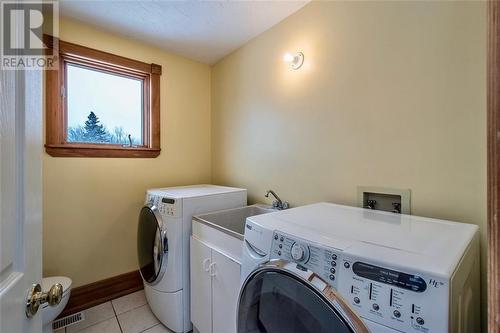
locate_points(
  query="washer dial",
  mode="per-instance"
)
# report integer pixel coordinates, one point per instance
(299, 252)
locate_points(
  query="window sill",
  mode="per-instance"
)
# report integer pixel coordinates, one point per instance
(96, 150)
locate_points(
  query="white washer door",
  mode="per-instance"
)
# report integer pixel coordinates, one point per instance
(280, 296)
(152, 245)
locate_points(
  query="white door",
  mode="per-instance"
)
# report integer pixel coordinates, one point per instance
(225, 292)
(20, 197)
(201, 289)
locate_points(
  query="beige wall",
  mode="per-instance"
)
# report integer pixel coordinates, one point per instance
(91, 205)
(391, 94)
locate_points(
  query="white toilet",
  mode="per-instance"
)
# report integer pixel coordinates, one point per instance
(49, 313)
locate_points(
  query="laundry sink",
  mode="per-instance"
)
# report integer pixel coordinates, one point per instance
(232, 221)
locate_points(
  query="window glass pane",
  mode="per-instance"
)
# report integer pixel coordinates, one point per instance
(102, 107)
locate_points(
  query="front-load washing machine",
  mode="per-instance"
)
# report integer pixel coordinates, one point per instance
(163, 245)
(398, 273)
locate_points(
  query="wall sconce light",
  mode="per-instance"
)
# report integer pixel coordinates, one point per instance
(295, 61)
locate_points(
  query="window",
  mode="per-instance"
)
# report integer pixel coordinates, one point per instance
(101, 105)
(99, 114)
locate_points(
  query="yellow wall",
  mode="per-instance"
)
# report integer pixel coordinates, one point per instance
(391, 94)
(91, 205)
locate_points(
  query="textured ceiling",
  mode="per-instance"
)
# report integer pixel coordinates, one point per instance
(201, 30)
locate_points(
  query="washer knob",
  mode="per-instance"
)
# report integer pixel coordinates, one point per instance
(298, 252)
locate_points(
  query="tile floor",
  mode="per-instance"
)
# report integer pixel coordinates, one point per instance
(127, 314)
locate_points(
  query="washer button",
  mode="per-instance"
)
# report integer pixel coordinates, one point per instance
(375, 306)
(332, 270)
(280, 246)
(282, 238)
(334, 263)
(279, 253)
(276, 237)
(346, 265)
(356, 300)
(334, 256)
(397, 314)
(332, 277)
(420, 321)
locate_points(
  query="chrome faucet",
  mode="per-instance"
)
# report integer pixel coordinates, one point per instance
(278, 204)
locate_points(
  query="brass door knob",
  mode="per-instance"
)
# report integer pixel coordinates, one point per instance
(36, 297)
(54, 296)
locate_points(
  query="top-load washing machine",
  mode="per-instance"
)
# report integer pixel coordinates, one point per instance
(163, 245)
(322, 267)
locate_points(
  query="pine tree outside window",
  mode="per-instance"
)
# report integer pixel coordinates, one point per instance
(93, 131)
(101, 105)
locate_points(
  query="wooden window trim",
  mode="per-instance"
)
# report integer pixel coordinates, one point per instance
(55, 104)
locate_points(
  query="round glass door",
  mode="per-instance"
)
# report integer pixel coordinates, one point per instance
(275, 300)
(152, 245)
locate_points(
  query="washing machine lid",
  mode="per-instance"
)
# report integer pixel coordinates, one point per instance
(152, 245)
(280, 296)
(193, 191)
(409, 235)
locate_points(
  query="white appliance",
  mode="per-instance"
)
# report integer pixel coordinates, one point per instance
(163, 245)
(399, 273)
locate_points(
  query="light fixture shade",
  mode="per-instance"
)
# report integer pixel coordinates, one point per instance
(288, 57)
(298, 60)
(295, 61)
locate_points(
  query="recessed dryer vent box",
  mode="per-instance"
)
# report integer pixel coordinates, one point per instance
(383, 198)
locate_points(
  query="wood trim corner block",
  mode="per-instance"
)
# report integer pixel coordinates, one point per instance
(155, 69)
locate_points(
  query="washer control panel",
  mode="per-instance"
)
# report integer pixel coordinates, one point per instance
(399, 299)
(405, 300)
(152, 199)
(166, 206)
(318, 258)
